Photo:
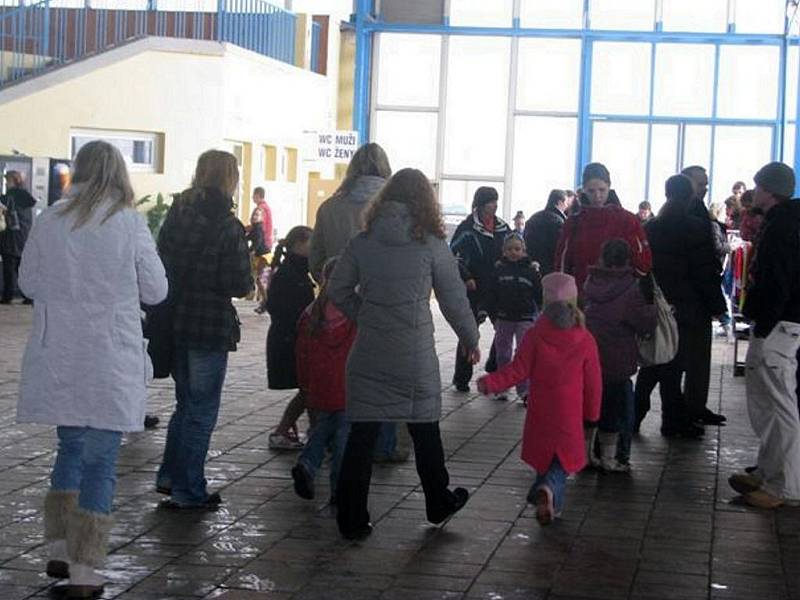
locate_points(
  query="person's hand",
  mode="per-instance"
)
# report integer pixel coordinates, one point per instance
(471, 285)
(482, 387)
(474, 356)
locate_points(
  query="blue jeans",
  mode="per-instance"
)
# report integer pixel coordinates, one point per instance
(617, 415)
(199, 376)
(331, 429)
(554, 478)
(87, 462)
(386, 443)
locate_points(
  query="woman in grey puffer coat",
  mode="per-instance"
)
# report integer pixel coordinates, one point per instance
(383, 281)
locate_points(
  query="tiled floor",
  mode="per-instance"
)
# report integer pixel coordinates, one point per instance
(670, 530)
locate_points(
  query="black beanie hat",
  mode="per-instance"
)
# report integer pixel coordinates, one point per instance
(776, 178)
(596, 171)
(484, 195)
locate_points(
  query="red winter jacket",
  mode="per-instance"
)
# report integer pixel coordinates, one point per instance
(583, 237)
(563, 368)
(322, 359)
(266, 223)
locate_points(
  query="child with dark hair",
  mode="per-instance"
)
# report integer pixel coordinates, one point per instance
(324, 338)
(618, 308)
(290, 292)
(514, 302)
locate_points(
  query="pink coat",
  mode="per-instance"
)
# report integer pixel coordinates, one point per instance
(566, 387)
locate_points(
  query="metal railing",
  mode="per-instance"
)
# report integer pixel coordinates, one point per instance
(258, 26)
(42, 34)
(316, 32)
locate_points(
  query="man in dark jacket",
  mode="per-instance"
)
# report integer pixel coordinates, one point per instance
(478, 245)
(17, 206)
(687, 270)
(543, 230)
(699, 178)
(773, 306)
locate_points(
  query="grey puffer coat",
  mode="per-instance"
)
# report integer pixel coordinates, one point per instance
(383, 281)
(339, 219)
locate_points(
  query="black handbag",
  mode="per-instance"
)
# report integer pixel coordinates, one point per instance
(157, 328)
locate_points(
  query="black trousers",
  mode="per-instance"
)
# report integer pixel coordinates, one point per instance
(10, 275)
(697, 365)
(684, 381)
(356, 472)
(646, 382)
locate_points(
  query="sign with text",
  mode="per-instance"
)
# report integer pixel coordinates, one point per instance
(332, 146)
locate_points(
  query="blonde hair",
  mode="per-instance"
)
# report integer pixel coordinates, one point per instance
(217, 169)
(369, 159)
(717, 211)
(565, 314)
(99, 173)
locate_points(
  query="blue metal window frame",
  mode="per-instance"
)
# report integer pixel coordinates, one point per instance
(367, 25)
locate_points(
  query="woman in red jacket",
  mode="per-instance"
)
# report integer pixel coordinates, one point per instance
(324, 337)
(559, 357)
(601, 220)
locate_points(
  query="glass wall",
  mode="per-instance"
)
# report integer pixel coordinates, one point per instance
(520, 94)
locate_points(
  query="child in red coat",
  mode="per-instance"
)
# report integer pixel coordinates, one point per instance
(324, 337)
(559, 357)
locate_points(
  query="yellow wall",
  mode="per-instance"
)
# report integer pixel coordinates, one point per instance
(197, 94)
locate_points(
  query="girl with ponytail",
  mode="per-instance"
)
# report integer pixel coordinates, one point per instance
(290, 292)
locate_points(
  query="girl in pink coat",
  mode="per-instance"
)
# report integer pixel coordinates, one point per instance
(559, 357)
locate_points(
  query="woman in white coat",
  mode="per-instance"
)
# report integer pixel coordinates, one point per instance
(90, 260)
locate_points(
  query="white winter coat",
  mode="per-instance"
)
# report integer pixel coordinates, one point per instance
(86, 363)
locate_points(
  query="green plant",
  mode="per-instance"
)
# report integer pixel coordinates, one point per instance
(156, 213)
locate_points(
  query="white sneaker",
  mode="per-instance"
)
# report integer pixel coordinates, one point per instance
(280, 441)
(612, 465)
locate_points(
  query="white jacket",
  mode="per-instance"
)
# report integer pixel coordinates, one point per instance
(86, 362)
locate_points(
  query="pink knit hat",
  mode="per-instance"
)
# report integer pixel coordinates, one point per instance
(559, 287)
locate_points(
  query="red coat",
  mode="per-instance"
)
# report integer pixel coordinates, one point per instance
(566, 387)
(583, 237)
(266, 223)
(322, 359)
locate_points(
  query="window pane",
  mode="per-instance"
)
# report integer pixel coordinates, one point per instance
(748, 82)
(620, 78)
(675, 65)
(663, 161)
(549, 74)
(637, 15)
(409, 139)
(792, 66)
(622, 147)
(697, 146)
(408, 69)
(694, 15)
(555, 14)
(760, 16)
(789, 145)
(738, 153)
(496, 13)
(539, 167)
(475, 133)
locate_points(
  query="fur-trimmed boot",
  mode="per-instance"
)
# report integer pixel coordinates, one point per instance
(58, 506)
(87, 546)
